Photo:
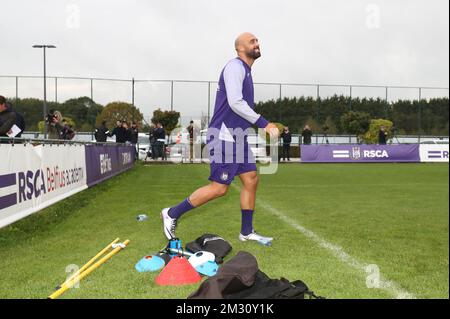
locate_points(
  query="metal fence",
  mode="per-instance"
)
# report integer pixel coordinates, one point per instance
(88, 137)
(193, 99)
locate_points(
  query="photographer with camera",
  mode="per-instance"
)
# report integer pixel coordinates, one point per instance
(54, 128)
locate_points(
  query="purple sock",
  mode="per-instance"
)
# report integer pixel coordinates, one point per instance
(247, 222)
(180, 209)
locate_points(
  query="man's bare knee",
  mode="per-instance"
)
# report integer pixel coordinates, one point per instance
(220, 189)
(251, 181)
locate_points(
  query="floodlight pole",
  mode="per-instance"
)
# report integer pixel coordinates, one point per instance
(44, 46)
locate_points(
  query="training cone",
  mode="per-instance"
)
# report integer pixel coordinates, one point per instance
(178, 272)
(150, 263)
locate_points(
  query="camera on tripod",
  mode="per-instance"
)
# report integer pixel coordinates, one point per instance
(394, 131)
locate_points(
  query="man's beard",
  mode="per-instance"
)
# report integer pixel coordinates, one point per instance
(254, 54)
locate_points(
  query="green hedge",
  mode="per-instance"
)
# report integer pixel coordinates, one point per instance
(425, 117)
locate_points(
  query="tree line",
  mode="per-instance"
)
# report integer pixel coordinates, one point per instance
(409, 117)
(84, 114)
(81, 112)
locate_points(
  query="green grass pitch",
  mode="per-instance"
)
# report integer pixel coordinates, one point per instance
(324, 218)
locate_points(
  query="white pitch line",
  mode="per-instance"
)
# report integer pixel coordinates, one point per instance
(337, 251)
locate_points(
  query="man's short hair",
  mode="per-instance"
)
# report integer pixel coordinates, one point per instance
(2, 99)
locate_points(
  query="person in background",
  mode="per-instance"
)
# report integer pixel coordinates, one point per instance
(7, 119)
(120, 132)
(134, 135)
(382, 135)
(152, 139)
(54, 126)
(20, 121)
(286, 136)
(192, 130)
(9, 112)
(307, 134)
(101, 133)
(127, 132)
(160, 135)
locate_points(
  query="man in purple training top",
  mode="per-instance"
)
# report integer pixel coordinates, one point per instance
(230, 153)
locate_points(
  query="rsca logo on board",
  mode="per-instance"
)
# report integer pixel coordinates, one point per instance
(105, 164)
(357, 154)
(375, 154)
(28, 185)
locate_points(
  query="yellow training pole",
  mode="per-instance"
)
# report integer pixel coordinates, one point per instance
(104, 250)
(78, 278)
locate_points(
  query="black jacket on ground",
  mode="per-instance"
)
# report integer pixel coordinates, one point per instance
(240, 278)
(101, 134)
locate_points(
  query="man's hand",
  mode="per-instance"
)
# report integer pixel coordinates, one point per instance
(272, 129)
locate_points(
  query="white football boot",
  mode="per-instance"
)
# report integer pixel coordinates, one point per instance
(169, 223)
(256, 237)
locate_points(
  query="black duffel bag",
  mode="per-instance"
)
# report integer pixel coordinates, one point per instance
(212, 243)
